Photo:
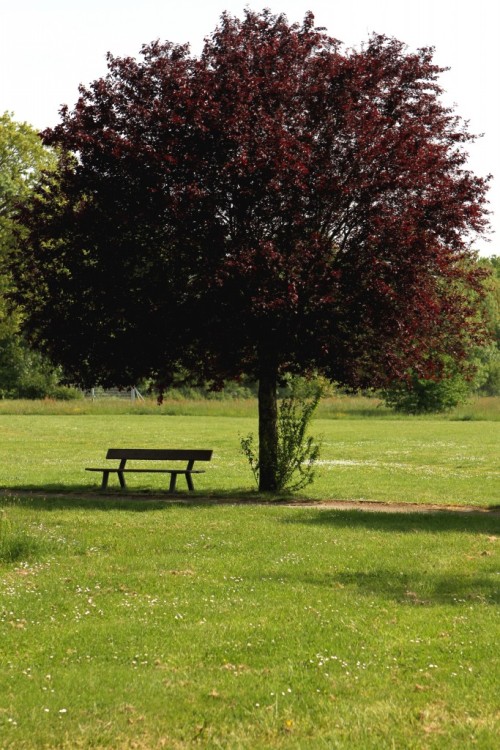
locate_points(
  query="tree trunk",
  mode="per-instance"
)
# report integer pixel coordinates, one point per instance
(268, 430)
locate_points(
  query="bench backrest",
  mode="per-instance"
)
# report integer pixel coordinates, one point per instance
(159, 454)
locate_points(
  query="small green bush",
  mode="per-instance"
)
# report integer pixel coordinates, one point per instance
(298, 452)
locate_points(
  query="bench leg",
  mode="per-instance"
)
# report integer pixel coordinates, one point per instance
(121, 479)
(189, 481)
(173, 480)
(105, 477)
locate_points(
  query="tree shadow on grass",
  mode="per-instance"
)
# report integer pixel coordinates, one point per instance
(418, 587)
(424, 589)
(413, 588)
(77, 497)
(74, 497)
(412, 585)
(439, 521)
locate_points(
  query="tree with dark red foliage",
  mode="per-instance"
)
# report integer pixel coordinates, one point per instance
(275, 205)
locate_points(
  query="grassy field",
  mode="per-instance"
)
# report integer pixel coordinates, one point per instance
(441, 461)
(129, 624)
(145, 623)
(339, 407)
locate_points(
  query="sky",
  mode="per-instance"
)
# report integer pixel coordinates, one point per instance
(49, 47)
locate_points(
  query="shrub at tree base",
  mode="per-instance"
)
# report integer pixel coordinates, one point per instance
(297, 451)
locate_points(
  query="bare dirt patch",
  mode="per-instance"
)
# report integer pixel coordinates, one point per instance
(376, 506)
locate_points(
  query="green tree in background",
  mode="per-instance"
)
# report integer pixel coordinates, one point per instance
(490, 356)
(23, 159)
(414, 394)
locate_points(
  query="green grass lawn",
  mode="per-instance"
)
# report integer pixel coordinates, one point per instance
(145, 623)
(421, 461)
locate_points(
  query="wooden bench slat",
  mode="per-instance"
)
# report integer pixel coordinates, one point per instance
(160, 454)
(149, 471)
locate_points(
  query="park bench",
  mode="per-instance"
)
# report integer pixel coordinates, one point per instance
(153, 454)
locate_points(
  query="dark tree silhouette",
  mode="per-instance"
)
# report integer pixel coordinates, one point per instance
(276, 205)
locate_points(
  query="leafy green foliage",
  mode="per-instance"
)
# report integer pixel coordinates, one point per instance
(247, 443)
(456, 379)
(297, 451)
(425, 396)
(491, 383)
(23, 158)
(27, 374)
(490, 355)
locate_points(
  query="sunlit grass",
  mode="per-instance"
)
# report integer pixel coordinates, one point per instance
(149, 625)
(16, 543)
(418, 461)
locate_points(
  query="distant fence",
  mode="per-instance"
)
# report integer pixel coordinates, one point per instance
(130, 394)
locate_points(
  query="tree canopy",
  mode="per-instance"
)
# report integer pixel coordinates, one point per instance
(277, 204)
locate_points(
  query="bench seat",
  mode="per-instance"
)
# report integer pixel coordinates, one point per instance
(153, 454)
